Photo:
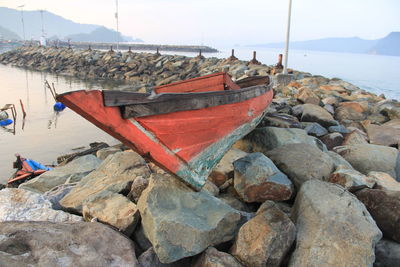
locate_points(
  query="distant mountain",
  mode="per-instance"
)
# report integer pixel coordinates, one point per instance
(54, 25)
(389, 45)
(101, 35)
(8, 35)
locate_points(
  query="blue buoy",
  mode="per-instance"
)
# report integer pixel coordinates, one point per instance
(59, 106)
(6, 122)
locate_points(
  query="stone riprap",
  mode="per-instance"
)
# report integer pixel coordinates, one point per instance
(316, 130)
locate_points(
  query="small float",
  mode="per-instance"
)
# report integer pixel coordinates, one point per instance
(184, 127)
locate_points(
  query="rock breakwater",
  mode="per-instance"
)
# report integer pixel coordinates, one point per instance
(316, 184)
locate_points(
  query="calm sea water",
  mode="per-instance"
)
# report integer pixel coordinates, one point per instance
(44, 134)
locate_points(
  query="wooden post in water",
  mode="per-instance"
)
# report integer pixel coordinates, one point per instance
(23, 109)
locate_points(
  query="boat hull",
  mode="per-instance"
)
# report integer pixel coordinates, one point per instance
(187, 143)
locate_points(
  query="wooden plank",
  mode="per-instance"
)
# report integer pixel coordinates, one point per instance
(167, 103)
(252, 81)
(119, 98)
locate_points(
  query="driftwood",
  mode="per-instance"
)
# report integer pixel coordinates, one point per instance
(94, 147)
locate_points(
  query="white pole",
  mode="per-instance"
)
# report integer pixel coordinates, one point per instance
(116, 16)
(287, 39)
(22, 19)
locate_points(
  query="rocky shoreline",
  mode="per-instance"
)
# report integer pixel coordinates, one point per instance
(315, 184)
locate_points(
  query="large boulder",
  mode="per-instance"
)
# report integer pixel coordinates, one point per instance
(69, 173)
(339, 160)
(181, 223)
(333, 228)
(266, 238)
(268, 138)
(315, 113)
(387, 253)
(384, 207)
(384, 181)
(368, 157)
(257, 179)
(211, 257)
(302, 162)
(115, 175)
(115, 210)
(352, 111)
(149, 259)
(78, 244)
(22, 205)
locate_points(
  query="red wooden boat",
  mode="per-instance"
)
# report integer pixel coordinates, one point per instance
(185, 127)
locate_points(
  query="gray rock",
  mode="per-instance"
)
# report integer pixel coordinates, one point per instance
(338, 129)
(384, 207)
(214, 258)
(339, 160)
(138, 186)
(315, 129)
(384, 181)
(350, 178)
(302, 162)
(366, 157)
(268, 138)
(78, 244)
(70, 173)
(181, 223)
(333, 228)
(280, 120)
(114, 209)
(265, 239)
(115, 175)
(387, 253)
(22, 205)
(235, 203)
(57, 193)
(105, 152)
(314, 113)
(149, 259)
(210, 188)
(257, 179)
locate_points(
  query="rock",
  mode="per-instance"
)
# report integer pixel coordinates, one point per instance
(64, 244)
(384, 207)
(350, 178)
(366, 158)
(307, 96)
(387, 253)
(265, 239)
(332, 140)
(257, 179)
(338, 160)
(57, 193)
(140, 238)
(235, 203)
(338, 129)
(214, 258)
(383, 135)
(22, 205)
(115, 175)
(333, 228)
(224, 169)
(314, 113)
(210, 188)
(149, 259)
(181, 223)
(268, 138)
(105, 152)
(280, 120)
(115, 210)
(315, 129)
(354, 138)
(330, 100)
(330, 109)
(384, 181)
(302, 162)
(350, 111)
(138, 186)
(69, 173)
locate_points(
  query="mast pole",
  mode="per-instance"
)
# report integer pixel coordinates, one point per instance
(116, 17)
(285, 71)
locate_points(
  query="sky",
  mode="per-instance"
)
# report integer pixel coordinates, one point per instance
(229, 22)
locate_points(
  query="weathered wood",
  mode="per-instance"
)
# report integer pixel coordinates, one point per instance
(167, 103)
(252, 81)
